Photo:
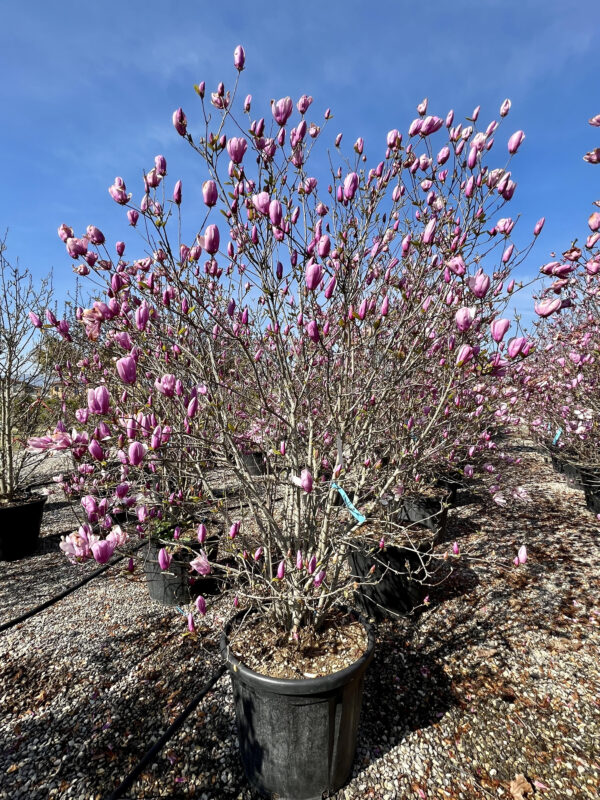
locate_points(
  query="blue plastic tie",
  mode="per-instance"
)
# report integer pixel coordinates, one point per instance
(181, 611)
(557, 436)
(360, 518)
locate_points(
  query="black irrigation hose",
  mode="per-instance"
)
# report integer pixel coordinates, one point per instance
(33, 611)
(151, 754)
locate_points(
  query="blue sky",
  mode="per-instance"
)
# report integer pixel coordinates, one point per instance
(88, 91)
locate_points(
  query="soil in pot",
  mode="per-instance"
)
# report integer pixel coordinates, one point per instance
(389, 579)
(20, 523)
(298, 737)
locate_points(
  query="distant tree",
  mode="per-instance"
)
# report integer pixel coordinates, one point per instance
(25, 372)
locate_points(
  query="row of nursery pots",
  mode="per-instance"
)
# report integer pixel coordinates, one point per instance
(585, 476)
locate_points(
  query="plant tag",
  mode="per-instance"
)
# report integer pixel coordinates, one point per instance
(360, 518)
(557, 436)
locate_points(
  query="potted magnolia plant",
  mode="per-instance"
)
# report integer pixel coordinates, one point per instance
(25, 380)
(341, 325)
(560, 384)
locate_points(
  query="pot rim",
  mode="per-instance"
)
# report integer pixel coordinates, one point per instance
(25, 499)
(297, 686)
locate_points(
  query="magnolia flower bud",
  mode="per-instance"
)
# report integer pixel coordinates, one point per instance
(313, 274)
(464, 355)
(201, 605)
(239, 58)
(136, 453)
(164, 558)
(180, 122)
(211, 239)
(515, 141)
(350, 185)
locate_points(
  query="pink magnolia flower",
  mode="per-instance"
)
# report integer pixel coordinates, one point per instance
(499, 327)
(350, 185)
(429, 232)
(126, 368)
(464, 355)
(201, 564)
(522, 555)
(313, 274)
(305, 481)
(76, 546)
(303, 104)
(593, 157)
(457, 265)
(211, 239)
(515, 346)
(464, 318)
(98, 400)
(166, 385)
(239, 58)
(209, 193)
(236, 147)
(103, 550)
(515, 141)
(479, 284)
(547, 307)
(319, 578)
(281, 570)
(95, 450)
(136, 453)
(117, 536)
(118, 192)
(282, 110)
(261, 202)
(180, 122)
(164, 558)
(202, 533)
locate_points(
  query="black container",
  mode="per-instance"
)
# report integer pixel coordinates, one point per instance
(297, 737)
(562, 464)
(591, 487)
(20, 524)
(430, 512)
(254, 463)
(176, 585)
(393, 588)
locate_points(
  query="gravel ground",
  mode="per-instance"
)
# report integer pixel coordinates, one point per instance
(499, 676)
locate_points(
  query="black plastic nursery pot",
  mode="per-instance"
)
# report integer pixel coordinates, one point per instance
(254, 463)
(562, 464)
(591, 488)
(20, 523)
(393, 588)
(431, 512)
(176, 585)
(297, 737)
